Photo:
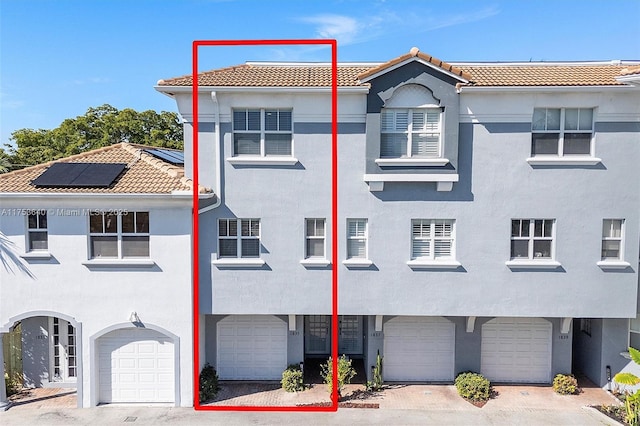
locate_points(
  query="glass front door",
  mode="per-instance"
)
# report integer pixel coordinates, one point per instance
(62, 350)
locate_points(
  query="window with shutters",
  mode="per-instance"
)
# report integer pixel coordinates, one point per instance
(238, 238)
(357, 235)
(411, 133)
(432, 239)
(262, 132)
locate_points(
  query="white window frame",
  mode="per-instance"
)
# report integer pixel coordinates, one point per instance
(433, 261)
(360, 261)
(632, 330)
(560, 157)
(410, 132)
(613, 263)
(239, 238)
(317, 261)
(119, 234)
(533, 261)
(39, 229)
(262, 157)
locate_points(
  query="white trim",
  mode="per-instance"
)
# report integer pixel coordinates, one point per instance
(42, 254)
(565, 325)
(434, 264)
(170, 90)
(378, 322)
(613, 264)
(411, 59)
(119, 262)
(357, 263)
(238, 263)
(471, 324)
(528, 89)
(292, 322)
(179, 194)
(315, 262)
(250, 160)
(554, 160)
(412, 162)
(412, 177)
(533, 264)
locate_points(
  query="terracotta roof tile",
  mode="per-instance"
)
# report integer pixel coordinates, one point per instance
(478, 74)
(144, 174)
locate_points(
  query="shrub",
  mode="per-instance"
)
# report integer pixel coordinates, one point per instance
(292, 379)
(345, 373)
(565, 384)
(12, 383)
(473, 387)
(632, 400)
(208, 383)
(376, 381)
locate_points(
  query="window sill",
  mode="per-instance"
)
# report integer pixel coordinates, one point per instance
(412, 162)
(248, 160)
(238, 263)
(357, 263)
(315, 263)
(574, 160)
(118, 262)
(434, 264)
(613, 264)
(36, 255)
(533, 264)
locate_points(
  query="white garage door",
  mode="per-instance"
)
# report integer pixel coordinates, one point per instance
(251, 347)
(419, 349)
(136, 365)
(516, 350)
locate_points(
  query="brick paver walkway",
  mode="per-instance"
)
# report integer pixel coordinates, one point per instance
(44, 398)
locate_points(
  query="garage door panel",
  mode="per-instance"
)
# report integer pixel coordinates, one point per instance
(516, 350)
(251, 347)
(419, 349)
(136, 366)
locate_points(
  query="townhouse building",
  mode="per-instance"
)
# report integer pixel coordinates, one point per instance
(95, 277)
(487, 216)
(488, 220)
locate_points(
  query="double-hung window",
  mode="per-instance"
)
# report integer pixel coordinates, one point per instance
(37, 238)
(357, 234)
(432, 239)
(532, 239)
(315, 239)
(612, 234)
(238, 238)
(562, 132)
(262, 132)
(119, 235)
(411, 133)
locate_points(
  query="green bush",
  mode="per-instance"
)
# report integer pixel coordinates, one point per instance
(565, 384)
(473, 387)
(292, 379)
(345, 373)
(12, 384)
(208, 383)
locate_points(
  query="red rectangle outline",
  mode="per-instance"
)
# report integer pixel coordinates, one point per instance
(334, 226)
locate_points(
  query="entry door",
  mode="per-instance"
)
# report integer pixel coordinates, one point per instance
(318, 334)
(350, 334)
(62, 351)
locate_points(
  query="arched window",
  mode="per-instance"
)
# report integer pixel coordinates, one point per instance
(411, 124)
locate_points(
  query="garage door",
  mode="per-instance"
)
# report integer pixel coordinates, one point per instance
(251, 347)
(516, 350)
(419, 349)
(136, 365)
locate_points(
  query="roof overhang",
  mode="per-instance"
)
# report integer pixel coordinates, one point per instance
(631, 79)
(175, 195)
(172, 90)
(409, 60)
(529, 89)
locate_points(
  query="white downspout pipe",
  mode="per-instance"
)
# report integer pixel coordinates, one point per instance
(218, 190)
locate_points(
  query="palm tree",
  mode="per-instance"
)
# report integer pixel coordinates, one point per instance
(632, 401)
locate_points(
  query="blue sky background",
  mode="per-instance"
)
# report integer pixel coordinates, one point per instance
(58, 58)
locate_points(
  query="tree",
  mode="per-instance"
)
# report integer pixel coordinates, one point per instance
(632, 400)
(98, 127)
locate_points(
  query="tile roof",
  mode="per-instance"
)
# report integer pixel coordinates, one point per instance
(144, 174)
(478, 74)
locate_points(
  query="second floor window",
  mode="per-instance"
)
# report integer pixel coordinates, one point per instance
(37, 239)
(612, 239)
(562, 131)
(357, 234)
(238, 238)
(262, 132)
(432, 239)
(315, 239)
(119, 236)
(407, 133)
(532, 239)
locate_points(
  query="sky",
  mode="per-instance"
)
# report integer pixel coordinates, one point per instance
(60, 57)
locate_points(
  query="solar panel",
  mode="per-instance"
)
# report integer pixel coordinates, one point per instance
(169, 155)
(79, 175)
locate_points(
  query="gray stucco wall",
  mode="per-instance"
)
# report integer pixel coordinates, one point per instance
(35, 351)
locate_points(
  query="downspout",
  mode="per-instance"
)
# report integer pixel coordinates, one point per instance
(218, 191)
